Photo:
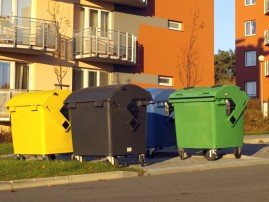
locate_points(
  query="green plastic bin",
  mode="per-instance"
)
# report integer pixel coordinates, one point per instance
(209, 118)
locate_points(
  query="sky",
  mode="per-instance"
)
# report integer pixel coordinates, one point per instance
(224, 25)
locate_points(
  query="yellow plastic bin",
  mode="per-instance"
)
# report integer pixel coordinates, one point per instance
(40, 124)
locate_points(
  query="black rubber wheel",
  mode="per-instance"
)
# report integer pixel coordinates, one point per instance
(142, 160)
(20, 157)
(181, 154)
(211, 157)
(204, 152)
(116, 162)
(49, 157)
(237, 153)
(150, 154)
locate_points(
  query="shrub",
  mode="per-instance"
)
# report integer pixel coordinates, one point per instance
(5, 137)
(254, 119)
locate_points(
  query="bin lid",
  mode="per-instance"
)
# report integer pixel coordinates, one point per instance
(108, 93)
(35, 98)
(206, 93)
(160, 94)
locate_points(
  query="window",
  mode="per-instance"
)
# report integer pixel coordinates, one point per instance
(249, 2)
(83, 78)
(6, 8)
(250, 58)
(250, 88)
(165, 81)
(14, 75)
(20, 8)
(266, 7)
(4, 75)
(250, 28)
(175, 25)
(21, 76)
(77, 81)
(95, 19)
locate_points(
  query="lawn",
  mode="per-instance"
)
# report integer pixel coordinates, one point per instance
(6, 148)
(13, 169)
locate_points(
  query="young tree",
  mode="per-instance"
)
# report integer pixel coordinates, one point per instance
(224, 67)
(60, 18)
(188, 68)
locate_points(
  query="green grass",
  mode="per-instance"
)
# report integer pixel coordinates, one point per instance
(13, 169)
(6, 148)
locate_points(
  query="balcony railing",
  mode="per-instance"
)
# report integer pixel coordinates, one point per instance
(27, 33)
(133, 3)
(94, 44)
(5, 96)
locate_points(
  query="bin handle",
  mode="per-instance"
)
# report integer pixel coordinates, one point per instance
(66, 124)
(234, 116)
(127, 117)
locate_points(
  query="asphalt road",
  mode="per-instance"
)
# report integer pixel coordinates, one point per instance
(250, 183)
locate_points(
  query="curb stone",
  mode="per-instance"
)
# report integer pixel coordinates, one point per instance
(52, 181)
(187, 168)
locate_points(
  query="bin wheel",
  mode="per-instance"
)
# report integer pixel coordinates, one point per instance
(211, 155)
(204, 152)
(181, 154)
(113, 160)
(150, 153)
(142, 160)
(116, 162)
(49, 157)
(237, 153)
(79, 158)
(20, 157)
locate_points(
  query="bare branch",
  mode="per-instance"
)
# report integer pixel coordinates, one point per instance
(188, 69)
(62, 23)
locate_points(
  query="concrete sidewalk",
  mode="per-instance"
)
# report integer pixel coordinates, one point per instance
(255, 151)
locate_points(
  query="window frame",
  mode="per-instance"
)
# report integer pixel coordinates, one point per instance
(175, 22)
(85, 77)
(169, 79)
(87, 19)
(15, 10)
(13, 75)
(251, 2)
(251, 33)
(254, 63)
(255, 88)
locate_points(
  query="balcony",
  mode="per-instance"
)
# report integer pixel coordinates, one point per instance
(108, 46)
(27, 35)
(5, 96)
(133, 3)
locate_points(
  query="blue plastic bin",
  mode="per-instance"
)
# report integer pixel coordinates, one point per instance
(160, 121)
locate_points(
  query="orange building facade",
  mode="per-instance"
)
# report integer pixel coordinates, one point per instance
(252, 48)
(106, 42)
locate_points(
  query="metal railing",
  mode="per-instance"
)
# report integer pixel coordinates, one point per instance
(5, 96)
(29, 32)
(96, 42)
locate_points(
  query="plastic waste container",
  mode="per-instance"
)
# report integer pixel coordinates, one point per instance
(40, 124)
(209, 118)
(109, 121)
(160, 121)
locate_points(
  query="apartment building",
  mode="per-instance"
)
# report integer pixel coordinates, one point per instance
(252, 48)
(72, 44)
